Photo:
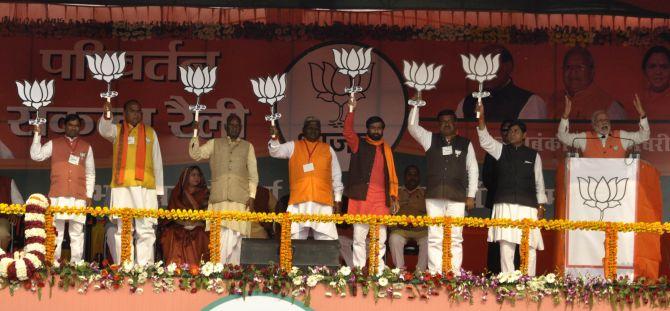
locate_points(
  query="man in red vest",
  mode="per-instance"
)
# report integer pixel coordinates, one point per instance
(72, 181)
(603, 142)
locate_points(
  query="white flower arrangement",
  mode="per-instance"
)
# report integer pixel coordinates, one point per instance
(344, 271)
(383, 282)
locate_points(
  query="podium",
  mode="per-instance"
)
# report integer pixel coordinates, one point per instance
(617, 190)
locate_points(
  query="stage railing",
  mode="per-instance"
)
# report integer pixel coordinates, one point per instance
(611, 229)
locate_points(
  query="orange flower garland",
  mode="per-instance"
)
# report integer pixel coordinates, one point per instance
(215, 240)
(523, 248)
(446, 245)
(373, 259)
(285, 252)
(610, 260)
(50, 240)
(126, 237)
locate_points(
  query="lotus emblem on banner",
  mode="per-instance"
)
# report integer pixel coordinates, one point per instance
(330, 87)
(602, 194)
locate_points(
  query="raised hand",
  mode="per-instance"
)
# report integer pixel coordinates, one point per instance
(638, 106)
(352, 104)
(568, 107)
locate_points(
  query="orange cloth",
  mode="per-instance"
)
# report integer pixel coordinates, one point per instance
(139, 158)
(612, 149)
(647, 256)
(375, 200)
(316, 185)
(390, 165)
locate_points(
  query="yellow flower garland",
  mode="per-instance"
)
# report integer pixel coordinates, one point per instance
(610, 260)
(285, 252)
(215, 240)
(611, 228)
(446, 245)
(373, 260)
(523, 248)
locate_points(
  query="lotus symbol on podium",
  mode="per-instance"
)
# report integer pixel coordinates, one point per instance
(602, 194)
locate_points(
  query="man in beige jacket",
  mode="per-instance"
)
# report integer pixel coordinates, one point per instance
(232, 161)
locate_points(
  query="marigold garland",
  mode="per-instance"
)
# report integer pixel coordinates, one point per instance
(126, 237)
(215, 240)
(373, 258)
(610, 260)
(446, 245)
(50, 240)
(524, 248)
(285, 252)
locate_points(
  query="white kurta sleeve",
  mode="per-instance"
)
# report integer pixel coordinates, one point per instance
(198, 152)
(107, 129)
(39, 152)
(633, 138)
(489, 144)
(15, 194)
(5, 153)
(539, 181)
(473, 172)
(338, 187)
(252, 171)
(279, 150)
(459, 109)
(158, 165)
(90, 173)
(570, 139)
(420, 134)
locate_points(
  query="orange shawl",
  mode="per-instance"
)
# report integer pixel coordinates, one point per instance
(390, 164)
(140, 154)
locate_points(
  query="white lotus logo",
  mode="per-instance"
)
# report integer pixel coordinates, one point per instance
(107, 67)
(353, 62)
(198, 81)
(421, 77)
(601, 193)
(37, 95)
(270, 90)
(482, 68)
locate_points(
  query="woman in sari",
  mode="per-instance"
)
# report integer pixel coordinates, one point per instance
(186, 241)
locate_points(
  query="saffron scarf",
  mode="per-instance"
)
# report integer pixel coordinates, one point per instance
(390, 164)
(140, 152)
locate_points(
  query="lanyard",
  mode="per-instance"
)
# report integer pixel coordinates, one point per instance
(310, 153)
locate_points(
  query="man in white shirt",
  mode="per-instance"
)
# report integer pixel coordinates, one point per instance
(520, 192)
(72, 181)
(603, 142)
(137, 176)
(452, 180)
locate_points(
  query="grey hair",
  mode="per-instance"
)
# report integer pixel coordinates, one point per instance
(596, 113)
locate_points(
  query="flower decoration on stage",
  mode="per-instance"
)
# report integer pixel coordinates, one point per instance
(22, 265)
(198, 81)
(602, 194)
(480, 69)
(107, 68)
(353, 63)
(37, 94)
(270, 90)
(420, 78)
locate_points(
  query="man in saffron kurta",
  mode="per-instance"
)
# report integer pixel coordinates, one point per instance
(232, 161)
(372, 186)
(137, 176)
(453, 175)
(603, 142)
(72, 181)
(315, 179)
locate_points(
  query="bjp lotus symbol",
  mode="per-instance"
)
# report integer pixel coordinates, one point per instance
(601, 193)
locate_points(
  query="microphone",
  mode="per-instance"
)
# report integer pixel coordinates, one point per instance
(635, 154)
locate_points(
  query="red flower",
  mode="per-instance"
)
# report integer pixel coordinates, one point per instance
(194, 290)
(116, 286)
(114, 268)
(408, 276)
(27, 285)
(105, 262)
(104, 273)
(194, 270)
(449, 276)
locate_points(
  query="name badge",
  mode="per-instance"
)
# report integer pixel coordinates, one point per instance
(447, 150)
(131, 140)
(73, 159)
(308, 167)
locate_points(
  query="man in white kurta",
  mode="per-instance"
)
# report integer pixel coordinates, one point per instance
(453, 176)
(134, 192)
(313, 152)
(520, 192)
(232, 161)
(66, 192)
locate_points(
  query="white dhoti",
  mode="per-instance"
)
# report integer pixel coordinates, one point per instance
(75, 229)
(509, 237)
(346, 250)
(321, 230)
(361, 246)
(232, 232)
(145, 234)
(441, 208)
